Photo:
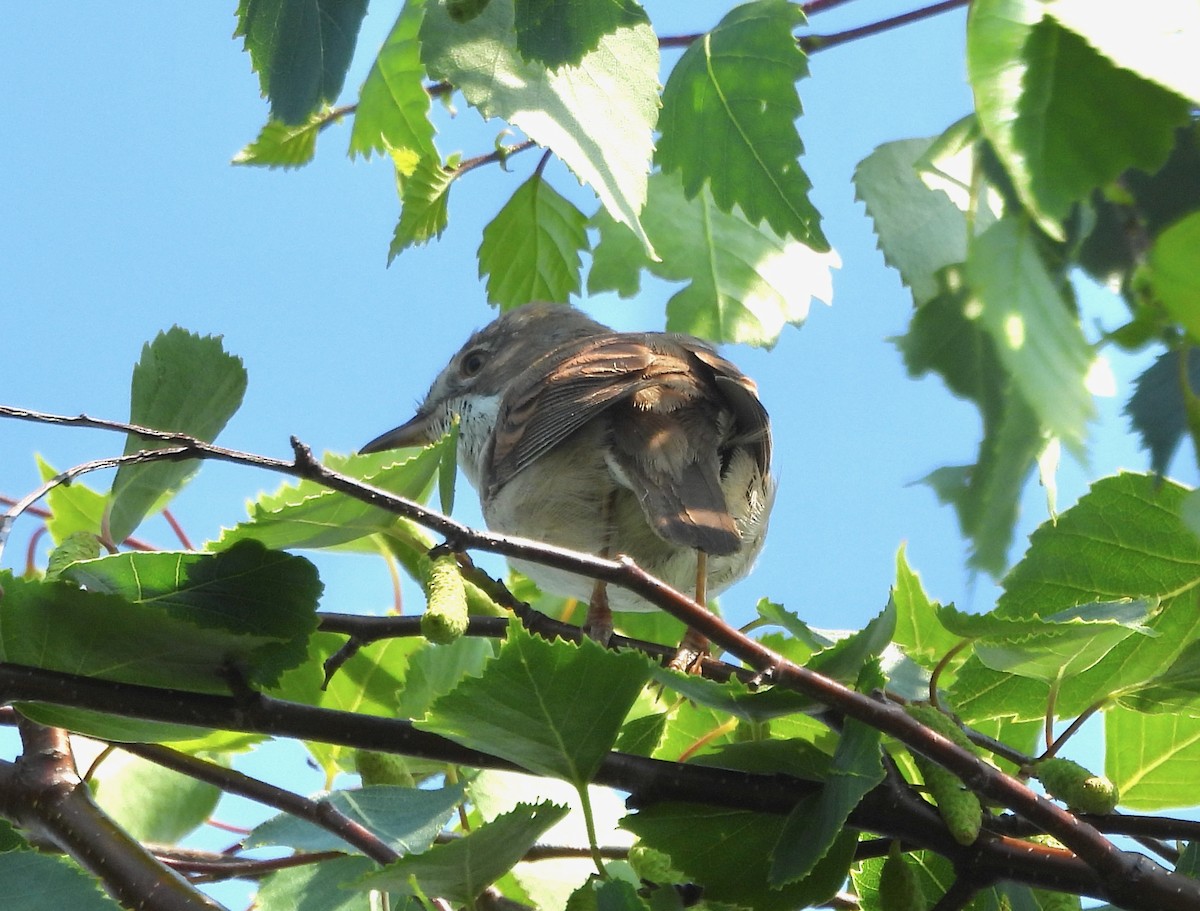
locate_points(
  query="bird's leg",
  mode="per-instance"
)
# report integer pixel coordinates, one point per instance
(693, 648)
(599, 622)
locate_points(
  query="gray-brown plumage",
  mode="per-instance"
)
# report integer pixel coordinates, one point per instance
(648, 444)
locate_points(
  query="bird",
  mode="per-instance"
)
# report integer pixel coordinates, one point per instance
(646, 444)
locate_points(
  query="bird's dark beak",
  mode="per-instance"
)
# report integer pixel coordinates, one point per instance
(416, 432)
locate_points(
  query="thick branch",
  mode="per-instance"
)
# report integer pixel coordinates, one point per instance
(1129, 879)
(893, 811)
(42, 792)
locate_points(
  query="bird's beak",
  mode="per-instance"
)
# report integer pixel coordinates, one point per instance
(416, 432)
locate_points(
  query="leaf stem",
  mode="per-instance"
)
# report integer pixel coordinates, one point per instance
(1051, 702)
(589, 821)
(1072, 728)
(939, 668)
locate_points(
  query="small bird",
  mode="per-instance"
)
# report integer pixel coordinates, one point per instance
(647, 444)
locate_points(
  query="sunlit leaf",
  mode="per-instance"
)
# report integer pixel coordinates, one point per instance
(1062, 117)
(745, 283)
(461, 869)
(531, 249)
(185, 383)
(596, 116)
(728, 120)
(393, 105)
(551, 707)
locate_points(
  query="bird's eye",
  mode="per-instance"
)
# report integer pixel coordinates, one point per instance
(472, 362)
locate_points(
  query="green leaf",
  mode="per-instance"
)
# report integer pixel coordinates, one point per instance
(745, 283)
(318, 885)
(920, 230)
(284, 145)
(1152, 759)
(448, 467)
(424, 202)
(556, 33)
(1037, 338)
(436, 670)
(988, 507)
(393, 105)
(1176, 689)
(149, 801)
(606, 895)
(941, 339)
(918, 630)
(845, 659)
(733, 696)
(597, 116)
(1157, 44)
(530, 250)
(301, 50)
(553, 708)
(1109, 252)
(1169, 274)
(816, 822)
(729, 853)
(80, 545)
(307, 514)
(935, 876)
(248, 609)
(74, 507)
(1189, 860)
(1123, 539)
(728, 120)
(1158, 410)
(807, 757)
(35, 881)
(778, 615)
(1063, 118)
(407, 819)
(369, 683)
(257, 605)
(184, 383)
(1052, 648)
(460, 870)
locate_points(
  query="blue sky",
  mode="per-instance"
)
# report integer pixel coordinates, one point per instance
(120, 215)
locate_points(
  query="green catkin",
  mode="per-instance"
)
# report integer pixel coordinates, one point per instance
(959, 806)
(1076, 786)
(445, 618)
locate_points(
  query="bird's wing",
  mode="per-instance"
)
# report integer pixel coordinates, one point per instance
(560, 392)
(752, 425)
(670, 452)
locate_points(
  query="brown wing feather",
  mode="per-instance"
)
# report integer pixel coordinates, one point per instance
(672, 463)
(670, 452)
(558, 394)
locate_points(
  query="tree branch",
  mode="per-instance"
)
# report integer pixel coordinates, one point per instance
(1127, 878)
(42, 792)
(318, 812)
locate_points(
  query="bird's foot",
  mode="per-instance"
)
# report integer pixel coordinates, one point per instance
(599, 622)
(690, 655)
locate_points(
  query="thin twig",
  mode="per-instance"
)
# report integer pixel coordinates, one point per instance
(1127, 878)
(811, 44)
(318, 812)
